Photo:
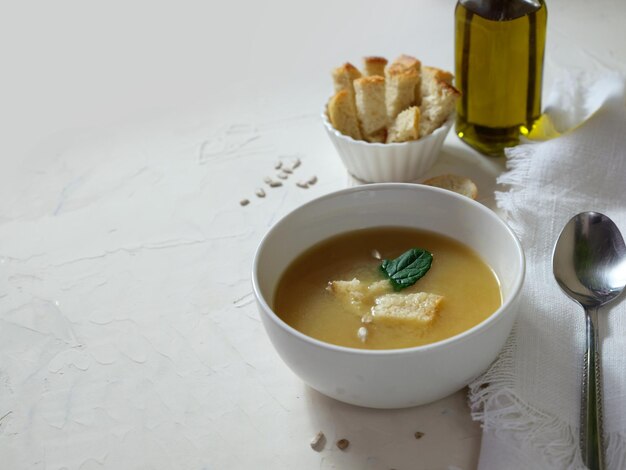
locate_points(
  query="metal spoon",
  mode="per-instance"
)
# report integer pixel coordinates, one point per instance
(589, 264)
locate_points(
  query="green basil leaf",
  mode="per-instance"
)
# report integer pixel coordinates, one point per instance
(406, 269)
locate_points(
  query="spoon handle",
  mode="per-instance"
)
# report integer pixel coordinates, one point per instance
(591, 442)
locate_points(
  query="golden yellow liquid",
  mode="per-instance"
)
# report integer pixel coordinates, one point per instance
(470, 289)
(499, 51)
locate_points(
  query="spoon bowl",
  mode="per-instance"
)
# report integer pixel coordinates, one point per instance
(589, 264)
(589, 259)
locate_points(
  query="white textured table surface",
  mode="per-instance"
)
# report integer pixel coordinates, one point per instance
(130, 131)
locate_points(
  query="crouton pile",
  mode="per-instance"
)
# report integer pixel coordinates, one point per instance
(396, 102)
(418, 309)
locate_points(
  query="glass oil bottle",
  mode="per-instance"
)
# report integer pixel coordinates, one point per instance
(499, 51)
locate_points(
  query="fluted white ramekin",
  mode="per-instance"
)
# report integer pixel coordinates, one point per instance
(385, 163)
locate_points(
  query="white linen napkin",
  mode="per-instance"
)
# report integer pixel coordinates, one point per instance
(529, 401)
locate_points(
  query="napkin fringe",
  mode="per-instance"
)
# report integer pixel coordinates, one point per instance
(494, 402)
(518, 164)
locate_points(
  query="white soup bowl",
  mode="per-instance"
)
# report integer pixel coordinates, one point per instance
(393, 378)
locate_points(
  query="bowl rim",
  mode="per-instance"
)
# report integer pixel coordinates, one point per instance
(445, 127)
(458, 338)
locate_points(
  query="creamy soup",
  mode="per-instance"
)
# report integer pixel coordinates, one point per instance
(337, 293)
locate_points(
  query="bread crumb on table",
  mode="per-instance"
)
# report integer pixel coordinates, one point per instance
(456, 183)
(318, 442)
(343, 444)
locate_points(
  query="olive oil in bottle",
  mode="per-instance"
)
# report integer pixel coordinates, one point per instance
(499, 49)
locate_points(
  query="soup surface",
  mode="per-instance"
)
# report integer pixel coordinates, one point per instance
(307, 300)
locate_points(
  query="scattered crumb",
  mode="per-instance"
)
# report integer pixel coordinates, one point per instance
(244, 202)
(275, 184)
(312, 180)
(376, 254)
(343, 444)
(296, 164)
(302, 184)
(267, 180)
(283, 176)
(419, 435)
(318, 442)
(288, 170)
(362, 334)
(278, 165)
(259, 192)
